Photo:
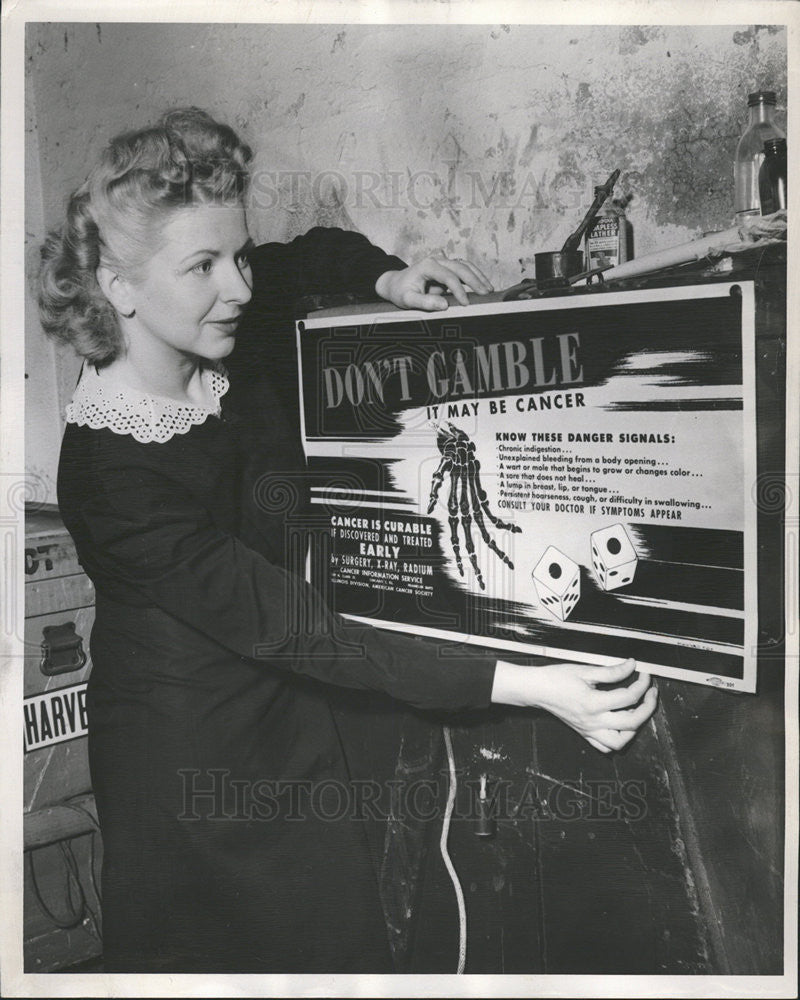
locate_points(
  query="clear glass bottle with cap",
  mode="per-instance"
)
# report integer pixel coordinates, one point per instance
(772, 177)
(750, 152)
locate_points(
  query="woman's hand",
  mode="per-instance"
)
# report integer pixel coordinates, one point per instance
(607, 718)
(423, 285)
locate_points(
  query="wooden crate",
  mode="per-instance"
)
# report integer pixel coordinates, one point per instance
(62, 842)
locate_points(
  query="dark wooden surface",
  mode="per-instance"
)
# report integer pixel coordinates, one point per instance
(727, 764)
(587, 872)
(666, 858)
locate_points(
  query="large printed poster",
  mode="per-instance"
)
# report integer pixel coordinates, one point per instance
(566, 477)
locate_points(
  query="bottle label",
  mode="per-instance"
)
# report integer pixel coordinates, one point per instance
(603, 243)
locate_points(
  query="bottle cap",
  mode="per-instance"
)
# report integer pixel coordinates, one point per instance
(761, 97)
(775, 147)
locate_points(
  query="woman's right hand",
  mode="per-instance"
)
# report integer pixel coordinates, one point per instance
(608, 718)
(423, 285)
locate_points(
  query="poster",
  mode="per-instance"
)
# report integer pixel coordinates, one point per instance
(563, 477)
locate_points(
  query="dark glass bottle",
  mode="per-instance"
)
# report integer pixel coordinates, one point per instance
(772, 177)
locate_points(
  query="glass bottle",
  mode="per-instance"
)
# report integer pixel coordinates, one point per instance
(750, 152)
(772, 177)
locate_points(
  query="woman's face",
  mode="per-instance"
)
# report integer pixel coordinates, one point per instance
(189, 296)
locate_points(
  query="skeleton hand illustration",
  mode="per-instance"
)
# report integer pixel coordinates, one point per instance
(466, 495)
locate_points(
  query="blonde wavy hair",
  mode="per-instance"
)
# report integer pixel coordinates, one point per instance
(187, 158)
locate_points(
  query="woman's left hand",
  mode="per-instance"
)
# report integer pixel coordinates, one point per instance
(423, 285)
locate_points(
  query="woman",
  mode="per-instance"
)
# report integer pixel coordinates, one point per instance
(210, 728)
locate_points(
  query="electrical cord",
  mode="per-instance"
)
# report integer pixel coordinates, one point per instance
(84, 913)
(95, 886)
(91, 920)
(448, 813)
(96, 832)
(75, 918)
(81, 810)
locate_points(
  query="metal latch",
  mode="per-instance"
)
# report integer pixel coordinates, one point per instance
(62, 649)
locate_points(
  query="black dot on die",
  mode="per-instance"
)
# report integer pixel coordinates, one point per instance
(554, 570)
(614, 546)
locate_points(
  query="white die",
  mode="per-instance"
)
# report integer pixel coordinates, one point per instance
(558, 583)
(613, 557)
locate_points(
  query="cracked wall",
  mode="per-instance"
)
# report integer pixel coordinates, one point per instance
(482, 140)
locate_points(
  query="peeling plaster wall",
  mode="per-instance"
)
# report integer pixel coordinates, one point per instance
(484, 141)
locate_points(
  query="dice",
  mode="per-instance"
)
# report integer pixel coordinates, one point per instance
(558, 583)
(613, 557)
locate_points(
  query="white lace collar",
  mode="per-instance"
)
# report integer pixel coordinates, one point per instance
(101, 402)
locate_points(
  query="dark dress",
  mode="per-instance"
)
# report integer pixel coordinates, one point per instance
(221, 785)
